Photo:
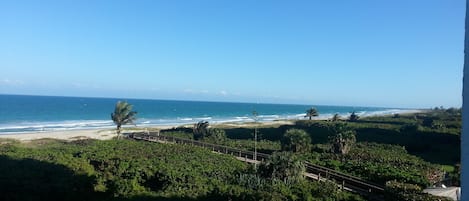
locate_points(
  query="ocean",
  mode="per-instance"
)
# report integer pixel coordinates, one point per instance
(25, 114)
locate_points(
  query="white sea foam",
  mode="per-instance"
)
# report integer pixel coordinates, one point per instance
(53, 126)
(242, 117)
(269, 116)
(204, 118)
(25, 127)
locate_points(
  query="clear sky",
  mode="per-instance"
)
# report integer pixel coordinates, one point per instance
(400, 53)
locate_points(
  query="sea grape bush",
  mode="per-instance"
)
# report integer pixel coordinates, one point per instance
(132, 170)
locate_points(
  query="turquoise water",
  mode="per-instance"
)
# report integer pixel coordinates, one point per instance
(20, 113)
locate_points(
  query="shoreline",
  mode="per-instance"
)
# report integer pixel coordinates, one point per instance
(109, 133)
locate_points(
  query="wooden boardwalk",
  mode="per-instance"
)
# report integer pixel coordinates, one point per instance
(346, 182)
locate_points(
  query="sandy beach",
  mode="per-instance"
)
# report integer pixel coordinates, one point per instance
(62, 135)
(106, 134)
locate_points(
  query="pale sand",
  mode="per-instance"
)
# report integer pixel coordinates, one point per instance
(99, 134)
(63, 135)
(106, 134)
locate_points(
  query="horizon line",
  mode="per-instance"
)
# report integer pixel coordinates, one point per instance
(209, 101)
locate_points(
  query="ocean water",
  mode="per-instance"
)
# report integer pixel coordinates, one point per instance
(23, 114)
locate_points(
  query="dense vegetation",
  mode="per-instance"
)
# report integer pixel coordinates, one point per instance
(415, 149)
(131, 170)
(405, 152)
(408, 192)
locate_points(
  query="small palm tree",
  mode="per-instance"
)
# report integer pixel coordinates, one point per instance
(296, 140)
(353, 117)
(336, 117)
(283, 166)
(200, 130)
(123, 115)
(312, 112)
(343, 138)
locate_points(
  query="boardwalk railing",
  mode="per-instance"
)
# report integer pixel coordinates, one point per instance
(347, 182)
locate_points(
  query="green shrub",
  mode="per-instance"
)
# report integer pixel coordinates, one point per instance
(130, 170)
(410, 128)
(296, 140)
(408, 192)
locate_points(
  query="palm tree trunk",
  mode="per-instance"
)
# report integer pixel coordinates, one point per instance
(118, 131)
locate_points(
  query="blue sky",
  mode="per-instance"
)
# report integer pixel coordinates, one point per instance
(361, 53)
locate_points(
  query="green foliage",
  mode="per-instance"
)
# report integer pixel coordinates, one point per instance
(427, 121)
(319, 129)
(376, 161)
(353, 117)
(411, 128)
(131, 170)
(200, 130)
(343, 138)
(216, 135)
(336, 117)
(264, 146)
(299, 190)
(408, 192)
(123, 168)
(455, 175)
(406, 160)
(441, 120)
(30, 179)
(381, 163)
(123, 115)
(283, 166)
(454, 111)
(312, 112)
(438, 125)
(296, 140)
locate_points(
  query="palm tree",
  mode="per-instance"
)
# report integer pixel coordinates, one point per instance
(200, 130)
(296, 140)
(312, 112)
(353, 117)
(342, 139)
(123, 115)
(336, 117)
(282, 165)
